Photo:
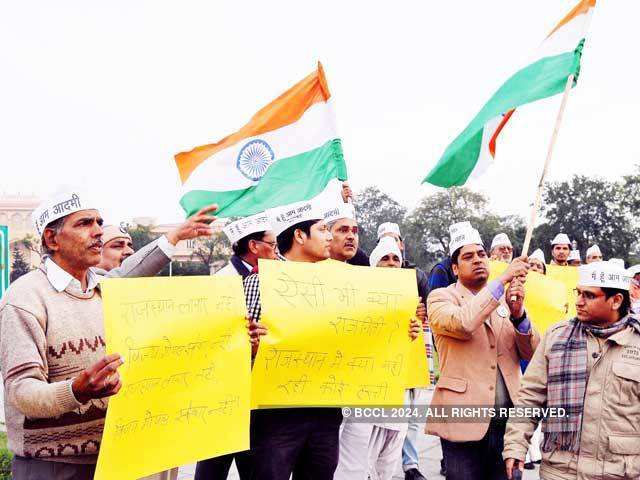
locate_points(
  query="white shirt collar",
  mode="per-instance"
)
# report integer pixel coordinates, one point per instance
(60, 279)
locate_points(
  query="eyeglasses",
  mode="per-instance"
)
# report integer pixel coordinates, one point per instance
(273, 245)
(586, 295)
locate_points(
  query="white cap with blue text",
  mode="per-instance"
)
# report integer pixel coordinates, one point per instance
(338, 211)
(603, 275)
(462, 233)
(60, 205)
(239, 229)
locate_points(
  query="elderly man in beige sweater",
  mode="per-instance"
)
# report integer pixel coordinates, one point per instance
(52, 351)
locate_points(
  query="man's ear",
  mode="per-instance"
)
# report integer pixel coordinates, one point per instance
(454, 267)
(617, 301)
(252, 247)
(299, 236)
(50, 240)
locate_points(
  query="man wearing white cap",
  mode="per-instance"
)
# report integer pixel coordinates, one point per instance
(390, 229)
(480, 339)
(574, 259)
(343, 225)
(52, 347)
(117, 246)
(593, 254)
(251, 239)
(587, 368)
(304, 439)
(501, 248)
(410, 454)
(560, 249)
(373, 450)
(537, 262)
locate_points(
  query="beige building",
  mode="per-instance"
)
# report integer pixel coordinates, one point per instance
(15, 212)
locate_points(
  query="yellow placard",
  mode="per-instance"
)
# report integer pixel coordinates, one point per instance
(546, 298)
(418, 371)
(186, 376)
(338, 335)
(569, 278)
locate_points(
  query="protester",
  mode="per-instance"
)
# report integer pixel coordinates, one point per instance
(574, 259)
(390, 229)
(410, 456)
(117, 246)
(373, 450)
(251, 239)
(341, 221)
(282, 439)
(560, 249)
(587, 366)
(593, 254)
(501, 248)
(634, 290)
(480, 340)
(537, 262)
(52, 348)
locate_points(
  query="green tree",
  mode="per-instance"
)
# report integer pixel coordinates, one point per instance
(427, 226)
(19, 266)
(593, 210)
(373, 208)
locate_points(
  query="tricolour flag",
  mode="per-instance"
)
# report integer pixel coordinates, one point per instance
(288, 152)
(557, 58)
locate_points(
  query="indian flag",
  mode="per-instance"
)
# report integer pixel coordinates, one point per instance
(557, 58)
(288, 152)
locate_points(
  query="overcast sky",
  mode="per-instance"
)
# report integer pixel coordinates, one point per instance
(104, 93)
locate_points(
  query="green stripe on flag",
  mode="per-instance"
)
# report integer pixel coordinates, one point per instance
(286, 181)
(542, 79)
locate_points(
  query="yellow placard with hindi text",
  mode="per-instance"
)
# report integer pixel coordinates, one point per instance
(338, 335)
(546, 298)
(186, 373)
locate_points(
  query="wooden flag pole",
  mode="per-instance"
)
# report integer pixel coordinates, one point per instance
(538, 200)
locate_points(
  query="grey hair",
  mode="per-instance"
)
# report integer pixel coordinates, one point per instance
(56, 226)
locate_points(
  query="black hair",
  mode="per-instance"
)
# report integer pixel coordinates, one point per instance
(626, 299)
(241, 247)
(454, 257)
(285, 239)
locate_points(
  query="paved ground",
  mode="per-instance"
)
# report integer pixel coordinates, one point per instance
(430, 455)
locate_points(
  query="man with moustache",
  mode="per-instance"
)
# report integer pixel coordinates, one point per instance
(52, 347)
(480, 339)
(117, 246)
(501, 248)
(560, 250)
(588, 368)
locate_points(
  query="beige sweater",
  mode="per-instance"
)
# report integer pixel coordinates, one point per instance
(46, 339)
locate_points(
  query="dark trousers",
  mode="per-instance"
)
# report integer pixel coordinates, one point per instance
(481, 460)
(302, 441)
(34, 469)
(218, 468)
